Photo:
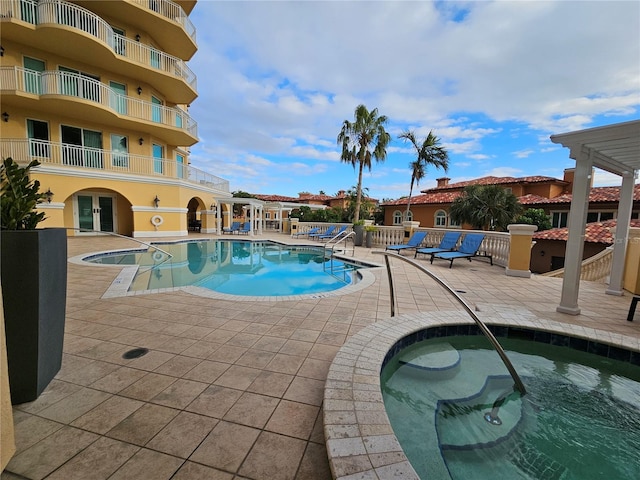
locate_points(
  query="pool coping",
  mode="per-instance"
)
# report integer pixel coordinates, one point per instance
(359, 438)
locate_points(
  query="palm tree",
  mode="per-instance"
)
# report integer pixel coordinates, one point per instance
(429, 152)
(485, 207)
(357, 138)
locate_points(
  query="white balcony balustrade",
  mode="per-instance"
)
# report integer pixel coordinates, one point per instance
(62, 155)
(59, 12)
(55, 82)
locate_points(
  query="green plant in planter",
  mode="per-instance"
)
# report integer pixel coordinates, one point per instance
(34, 284)
(370, 228)
(20, 195)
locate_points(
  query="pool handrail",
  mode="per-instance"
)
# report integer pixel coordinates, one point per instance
(518, 385)
(148, 245)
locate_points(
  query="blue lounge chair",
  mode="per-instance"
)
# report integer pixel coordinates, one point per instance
(414, 242)
(329, 231)
(468, 248)
(245, 228)
(313, 231)
(235, 226)
(327, 235)
(448, 243)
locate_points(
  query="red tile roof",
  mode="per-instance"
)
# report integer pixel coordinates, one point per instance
(490, 180)
(596, 232)
(427, 199)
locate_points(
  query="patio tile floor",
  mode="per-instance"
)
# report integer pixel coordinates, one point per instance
(233, 389)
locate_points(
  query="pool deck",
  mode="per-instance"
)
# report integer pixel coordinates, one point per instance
(234, 389)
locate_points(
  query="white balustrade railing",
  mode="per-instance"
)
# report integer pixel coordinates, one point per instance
(55, 82)
(51, 154)
(170, 10)
(495, 244)
(59, 12)
(596, 268)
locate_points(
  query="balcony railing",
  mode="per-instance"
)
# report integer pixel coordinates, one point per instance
(596, 268)
(172, 11)
(54, 82)
(59, 12)
(51, 154)
(495, 244)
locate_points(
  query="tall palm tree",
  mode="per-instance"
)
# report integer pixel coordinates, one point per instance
(429, 152)
(357, 140)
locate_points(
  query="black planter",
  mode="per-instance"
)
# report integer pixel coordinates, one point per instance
(34, 293)
(359, 229)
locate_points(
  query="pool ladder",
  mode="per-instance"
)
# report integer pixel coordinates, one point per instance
(339, 239)
(491, 417)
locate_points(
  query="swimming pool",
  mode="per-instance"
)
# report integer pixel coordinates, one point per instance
(240, 268)
(580, 418)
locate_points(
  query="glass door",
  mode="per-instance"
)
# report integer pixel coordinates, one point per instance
(32, 75)
(95, 212)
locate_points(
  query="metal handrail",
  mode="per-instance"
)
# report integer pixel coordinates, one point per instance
(505, 359)
(344, 238)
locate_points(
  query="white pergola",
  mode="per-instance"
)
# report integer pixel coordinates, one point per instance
(615, 149)
(255, 206)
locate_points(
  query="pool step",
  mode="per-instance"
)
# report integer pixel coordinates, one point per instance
(461, 424)
(436, 357)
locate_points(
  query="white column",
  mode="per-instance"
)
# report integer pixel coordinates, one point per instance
(576, 227)
(625, 206)
(218, 219)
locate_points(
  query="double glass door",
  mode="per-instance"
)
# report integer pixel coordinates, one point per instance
(95, 212)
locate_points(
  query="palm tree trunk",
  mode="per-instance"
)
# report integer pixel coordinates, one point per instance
(356, 215)
(406, 214)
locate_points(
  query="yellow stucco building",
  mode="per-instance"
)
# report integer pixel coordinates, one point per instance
(98, 92)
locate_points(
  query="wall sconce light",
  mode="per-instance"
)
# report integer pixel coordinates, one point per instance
(141, 140)
(1, 51)
(137, 37)
(139, 90)
(48, 195)
(5, 116)
(156, 201)
(212, 207)
(542, 253)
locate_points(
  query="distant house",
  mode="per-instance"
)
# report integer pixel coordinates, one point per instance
(548, 253)
(552, 195)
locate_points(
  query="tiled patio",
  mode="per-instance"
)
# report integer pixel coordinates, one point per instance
(231, 389)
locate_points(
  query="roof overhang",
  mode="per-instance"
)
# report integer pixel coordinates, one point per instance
(292, 205)
(613, 148)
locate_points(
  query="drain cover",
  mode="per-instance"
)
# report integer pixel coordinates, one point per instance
(135, 353)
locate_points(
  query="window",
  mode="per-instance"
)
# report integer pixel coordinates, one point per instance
(453, 223)
(33, 69)
(397, 217)
(38, 133)
(559, 219)
(81, 148)
(599, 216)
(158, 155)
(508, 190)
(409, 216)
(156, 110)
(180, 165)
(120, 149)
(119, 42)
(118, 97)
(440, 219)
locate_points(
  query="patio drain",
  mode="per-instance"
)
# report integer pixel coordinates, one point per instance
(461, 291)
(135, 353)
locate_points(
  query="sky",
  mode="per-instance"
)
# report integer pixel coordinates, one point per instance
(492, 80)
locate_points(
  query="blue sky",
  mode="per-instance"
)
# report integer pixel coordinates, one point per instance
(493, 80)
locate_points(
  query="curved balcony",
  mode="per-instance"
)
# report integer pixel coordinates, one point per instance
(165, 21)
(58, 23)
(87, 99)
(67, 156)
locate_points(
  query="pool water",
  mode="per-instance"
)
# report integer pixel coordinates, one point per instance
(580, 417)
(235, 267)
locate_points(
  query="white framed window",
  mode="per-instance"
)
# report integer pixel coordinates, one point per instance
(559, 219)
(440, 219)
(397, 217)
(453, 223)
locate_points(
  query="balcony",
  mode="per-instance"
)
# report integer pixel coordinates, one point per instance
(77, 158)
(163, 20)
(92, 100)
(97, 44)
